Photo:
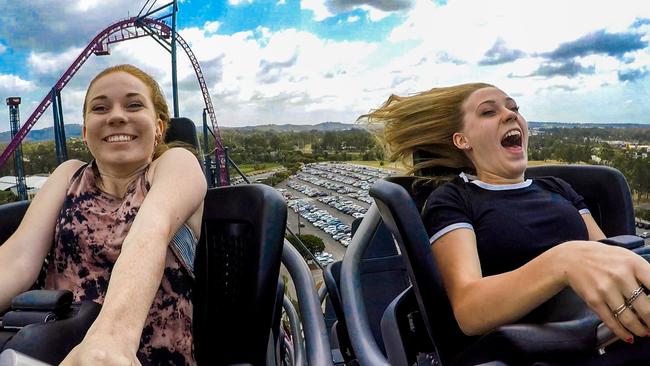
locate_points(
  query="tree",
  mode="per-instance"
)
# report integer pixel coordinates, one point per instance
(8, 197)
(313, 243)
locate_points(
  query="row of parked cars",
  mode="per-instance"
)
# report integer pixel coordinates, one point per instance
(344, 205)
(321, 219)
(324, 258)
(306, 190)
(349, 181)
(352, 175)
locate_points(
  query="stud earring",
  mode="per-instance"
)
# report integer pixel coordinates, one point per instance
(467, 147)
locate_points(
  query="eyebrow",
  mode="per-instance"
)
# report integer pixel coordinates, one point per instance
(490, 101)
(128, 95)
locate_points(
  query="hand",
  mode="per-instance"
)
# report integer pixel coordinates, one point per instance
(101, 351)
(606, 277)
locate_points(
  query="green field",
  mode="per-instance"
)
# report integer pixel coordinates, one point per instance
(258, 167)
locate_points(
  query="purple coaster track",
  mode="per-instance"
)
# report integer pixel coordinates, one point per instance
(124, 30)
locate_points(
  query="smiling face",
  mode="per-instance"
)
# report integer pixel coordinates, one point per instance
(496, 134)
(120, 121)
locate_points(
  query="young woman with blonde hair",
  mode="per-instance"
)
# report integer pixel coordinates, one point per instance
(506, 244)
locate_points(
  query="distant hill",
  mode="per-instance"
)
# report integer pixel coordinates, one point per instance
(537, 124)
(74, 130)
(45, 134)
(324, 126)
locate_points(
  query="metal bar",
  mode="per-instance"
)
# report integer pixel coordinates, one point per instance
(163, 17)
(174, 72)
(64, 145)
(207, 163)
(234, 165)
(322, 293)
(296, 332)
(57, 139)
(316, 337)
(157, 9)
(354, 308)
(225, 153)
(313, 257)
(143, 6)
(153, 35)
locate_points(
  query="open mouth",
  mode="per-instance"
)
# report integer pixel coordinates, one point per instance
(119, 138)
(512, 139)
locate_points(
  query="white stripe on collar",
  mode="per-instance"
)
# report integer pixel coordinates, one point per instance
(468, 178)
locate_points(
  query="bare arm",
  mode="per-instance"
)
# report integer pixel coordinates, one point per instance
(175, 195)
(595, 233)
(483, 303)
(26, 249)
(602, 275)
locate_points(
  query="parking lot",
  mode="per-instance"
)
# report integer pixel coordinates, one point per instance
(324, 199)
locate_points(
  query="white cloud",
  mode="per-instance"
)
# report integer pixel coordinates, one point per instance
(471, 27)
(2, 48)
(292, 76)
(322, 11)
(85, 5)
(317, 7)
(211, 27)
(375, 14)
(281, 2)
(11, 85)
(239, 2)
(50, 63)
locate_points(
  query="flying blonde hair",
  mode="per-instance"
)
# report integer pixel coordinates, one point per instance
(423, 123)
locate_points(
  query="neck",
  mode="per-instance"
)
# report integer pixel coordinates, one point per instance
(115, 182)
(491, 178)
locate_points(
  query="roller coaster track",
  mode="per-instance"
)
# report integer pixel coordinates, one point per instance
(123, 30)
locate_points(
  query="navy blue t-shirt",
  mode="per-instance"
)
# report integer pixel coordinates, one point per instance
(513, 223)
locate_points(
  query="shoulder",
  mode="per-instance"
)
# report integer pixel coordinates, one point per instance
(455, 187)
(66, 170)
(452, 192)
(175, 155)
(555, 184)
(176, 160)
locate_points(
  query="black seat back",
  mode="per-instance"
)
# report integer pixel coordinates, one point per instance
(11, 214)
(183, 130)
(383, 277)
(237, 267)
(605, 190)
(400, 214)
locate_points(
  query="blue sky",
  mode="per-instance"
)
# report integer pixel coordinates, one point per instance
(310, 61)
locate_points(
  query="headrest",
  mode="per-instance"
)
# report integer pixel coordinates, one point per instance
(183, 130)
(420, 156)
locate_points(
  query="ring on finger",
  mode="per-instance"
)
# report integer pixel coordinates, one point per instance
(619, 310)
(635, 295)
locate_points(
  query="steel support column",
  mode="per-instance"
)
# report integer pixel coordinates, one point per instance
(64, 145)
(174, 76)
(14, 121)
(207, 162)
(57, 126)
